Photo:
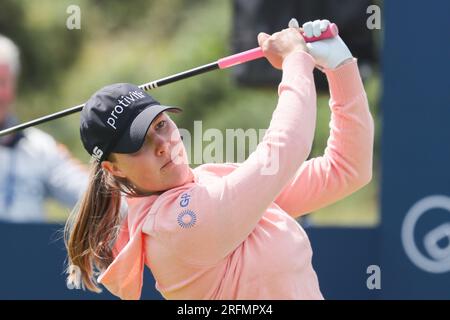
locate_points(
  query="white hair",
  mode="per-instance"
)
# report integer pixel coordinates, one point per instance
(9, 55)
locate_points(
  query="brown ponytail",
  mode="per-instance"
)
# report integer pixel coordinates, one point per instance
(92, 227)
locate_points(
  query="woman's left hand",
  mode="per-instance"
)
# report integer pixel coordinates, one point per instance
(328, 53)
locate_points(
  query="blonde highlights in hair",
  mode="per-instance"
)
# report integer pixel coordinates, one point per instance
(93, 226)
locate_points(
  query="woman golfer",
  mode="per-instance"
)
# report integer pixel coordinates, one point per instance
(220, 231)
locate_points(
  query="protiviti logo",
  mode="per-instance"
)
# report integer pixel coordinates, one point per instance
(123, 102)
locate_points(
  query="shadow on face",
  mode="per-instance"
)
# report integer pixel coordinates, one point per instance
(160, 164)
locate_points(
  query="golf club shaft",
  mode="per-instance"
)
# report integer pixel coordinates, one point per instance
(146, 86)
(223, 63)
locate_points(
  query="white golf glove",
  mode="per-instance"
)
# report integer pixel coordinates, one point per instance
(328, 53)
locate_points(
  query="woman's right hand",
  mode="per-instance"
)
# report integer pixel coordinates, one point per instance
(279, 45)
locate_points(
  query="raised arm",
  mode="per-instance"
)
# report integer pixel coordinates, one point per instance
(229, 209)
(346, 164)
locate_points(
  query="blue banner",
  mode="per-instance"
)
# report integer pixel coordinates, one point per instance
(415, 203)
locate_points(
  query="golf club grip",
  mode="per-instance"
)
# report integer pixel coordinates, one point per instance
(257, 53)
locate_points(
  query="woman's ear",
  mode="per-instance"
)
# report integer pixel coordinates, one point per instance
(112, 168)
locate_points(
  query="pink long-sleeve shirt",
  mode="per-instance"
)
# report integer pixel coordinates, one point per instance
(230, 233)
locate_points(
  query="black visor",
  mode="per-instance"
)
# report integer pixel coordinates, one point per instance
(134, 136)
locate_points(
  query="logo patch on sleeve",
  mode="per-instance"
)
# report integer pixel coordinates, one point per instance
(185, 198)
(187, 219)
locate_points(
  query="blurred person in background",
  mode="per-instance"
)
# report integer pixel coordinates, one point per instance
(33, 166)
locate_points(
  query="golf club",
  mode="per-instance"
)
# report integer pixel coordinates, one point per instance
(222, 63)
